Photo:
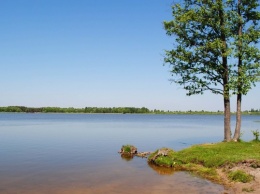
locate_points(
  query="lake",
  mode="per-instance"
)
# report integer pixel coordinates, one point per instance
(78, 153)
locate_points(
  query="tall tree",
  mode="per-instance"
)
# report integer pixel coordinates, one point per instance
(209, 37)
(199, 59)
(245, 27)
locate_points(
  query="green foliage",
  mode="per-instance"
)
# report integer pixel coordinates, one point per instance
(124, 110)
(256, 134)
(246, 35)
(215, 49)
(255, 110)
(120, 110)
(240, 176)
(208, 39)
(197, 60)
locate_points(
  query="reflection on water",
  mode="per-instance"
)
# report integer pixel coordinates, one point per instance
(162, 170)
(77, 153)
(127, 157)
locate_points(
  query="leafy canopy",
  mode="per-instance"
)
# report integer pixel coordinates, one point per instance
(205, 35)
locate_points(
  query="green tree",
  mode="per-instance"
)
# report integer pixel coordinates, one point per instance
(246, 31)
(209, 37)
(199, 60)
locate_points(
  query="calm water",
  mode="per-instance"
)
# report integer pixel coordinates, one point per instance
(77, 153)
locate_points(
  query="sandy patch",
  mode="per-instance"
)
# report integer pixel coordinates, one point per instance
(252, 187)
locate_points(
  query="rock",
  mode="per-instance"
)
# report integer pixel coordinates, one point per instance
(128, 149)
(131, 151)
(162, 157)
(143, 154)
(161, 152)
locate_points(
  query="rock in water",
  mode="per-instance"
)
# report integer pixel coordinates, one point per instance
(128, 149)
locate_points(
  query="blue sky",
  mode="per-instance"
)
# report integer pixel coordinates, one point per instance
(78, 53)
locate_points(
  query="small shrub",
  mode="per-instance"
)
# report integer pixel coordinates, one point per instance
(256, 134)
(240, 176)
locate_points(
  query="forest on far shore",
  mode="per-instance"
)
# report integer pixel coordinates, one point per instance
(120, 110)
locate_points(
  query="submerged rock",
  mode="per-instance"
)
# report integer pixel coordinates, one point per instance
(143, 154)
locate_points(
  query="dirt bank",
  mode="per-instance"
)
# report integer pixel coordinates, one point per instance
(252, 187)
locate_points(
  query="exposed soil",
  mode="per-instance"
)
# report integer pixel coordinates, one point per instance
(238, 187)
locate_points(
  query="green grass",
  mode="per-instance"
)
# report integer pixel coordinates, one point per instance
(167, 161)
(164, 161)
(240, 176)
(206, 158)
(219, 154)
(126, 148)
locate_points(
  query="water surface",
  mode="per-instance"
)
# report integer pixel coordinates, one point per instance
(77, 153)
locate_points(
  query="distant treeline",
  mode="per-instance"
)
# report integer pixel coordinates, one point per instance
(121, 110)
(74, 110)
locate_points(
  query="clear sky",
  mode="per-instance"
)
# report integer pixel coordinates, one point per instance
(78, 53)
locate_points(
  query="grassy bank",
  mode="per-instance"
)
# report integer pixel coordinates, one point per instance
(206, 159)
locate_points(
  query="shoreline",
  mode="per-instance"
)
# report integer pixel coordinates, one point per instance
(216, 162)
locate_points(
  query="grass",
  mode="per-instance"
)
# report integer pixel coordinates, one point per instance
(205, 159)
(127, 148)
(161, 160)
(240, 176)
(219, 154)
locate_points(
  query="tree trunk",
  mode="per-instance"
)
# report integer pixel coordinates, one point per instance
(225, 75)
(238, 118)
(227, 128)
(227, 131)
(239, 74)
